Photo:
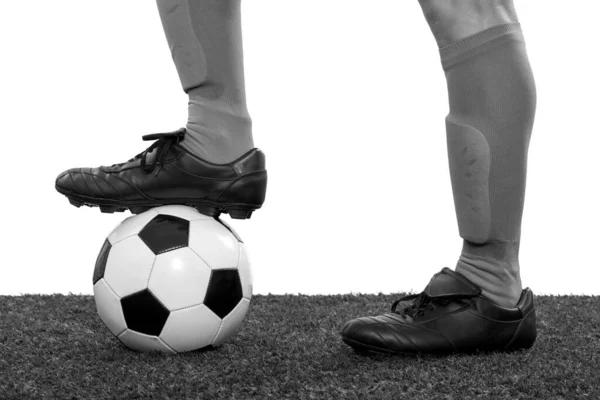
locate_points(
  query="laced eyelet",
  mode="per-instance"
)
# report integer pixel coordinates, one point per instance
(163, 143)
(422, 303)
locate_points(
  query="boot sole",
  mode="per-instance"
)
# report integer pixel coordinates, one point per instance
(205, 207)
(366, 350)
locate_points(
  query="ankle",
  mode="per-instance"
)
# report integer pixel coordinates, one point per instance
(499, 279)
(216, 131)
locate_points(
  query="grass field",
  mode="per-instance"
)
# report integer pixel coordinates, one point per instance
(289, 347)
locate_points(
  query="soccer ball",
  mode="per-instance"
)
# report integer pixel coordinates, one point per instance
(172, 280)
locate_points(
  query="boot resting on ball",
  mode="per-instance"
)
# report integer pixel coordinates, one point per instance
(166, 173)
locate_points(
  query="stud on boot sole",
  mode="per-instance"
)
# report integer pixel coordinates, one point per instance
(207, 210)
(76, 203)
(139, 209)
(108, 209)
(240, 214)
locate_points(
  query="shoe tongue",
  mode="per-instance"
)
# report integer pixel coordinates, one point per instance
(448, 282)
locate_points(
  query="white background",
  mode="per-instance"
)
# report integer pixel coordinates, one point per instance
(348, 100)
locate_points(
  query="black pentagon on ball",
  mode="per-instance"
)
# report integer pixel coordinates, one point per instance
(101, 261)
(165, 233)
(144, 313)
(224, 291)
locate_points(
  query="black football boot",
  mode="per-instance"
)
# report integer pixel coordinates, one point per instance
(166, 173)
(449, 316)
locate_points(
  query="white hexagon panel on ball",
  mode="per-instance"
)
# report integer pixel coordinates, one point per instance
(245, 271)
(214, 243)
(179, 279)
(108, 305)
(128, 266)
(191, 328)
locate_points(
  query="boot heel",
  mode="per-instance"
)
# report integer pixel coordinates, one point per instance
(249, 189)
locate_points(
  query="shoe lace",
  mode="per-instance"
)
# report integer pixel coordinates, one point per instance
(423, 302)
(164, 141)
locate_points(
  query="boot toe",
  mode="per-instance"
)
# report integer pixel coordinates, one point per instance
(69, 181)
(88, 182)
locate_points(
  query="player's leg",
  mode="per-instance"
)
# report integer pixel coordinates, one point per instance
(205, 39)
(211, 164)
(492, 101)
(481, 305)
